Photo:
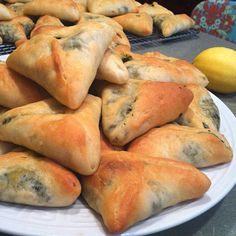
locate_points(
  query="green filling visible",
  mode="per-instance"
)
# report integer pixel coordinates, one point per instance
(155, 187)
(8, 120)
(72, 43)
(21, 179)
(123, 9)
(193, 153)
(9, 33)
(210, 109)
(126, 58)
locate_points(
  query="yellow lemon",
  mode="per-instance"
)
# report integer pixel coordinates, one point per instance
(219, 65)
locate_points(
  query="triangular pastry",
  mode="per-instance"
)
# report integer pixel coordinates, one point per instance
(130, 187)
(172, 24)
(111, 7)
(154, 9)
(202, 111)
(24, 90)
(28, 178)
(140, 24)
(132, 109)
(46, 23)
(70, 137)
(111, 67)
(62, 9)
(6, 13)
(65, 61)
(197, 146)
(152, 66)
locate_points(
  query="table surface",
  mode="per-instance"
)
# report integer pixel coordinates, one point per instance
(221, 219)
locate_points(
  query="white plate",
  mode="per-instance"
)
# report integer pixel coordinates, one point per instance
(79, 220)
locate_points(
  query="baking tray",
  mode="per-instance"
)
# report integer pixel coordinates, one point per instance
(135, 41)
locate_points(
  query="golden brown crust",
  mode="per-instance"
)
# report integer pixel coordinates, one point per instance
(17, 7)
(202, 111)
(65, 67)
(25, 91)
(132, 109)
(157, 67)
(129, 187)
(46, 23)
(71, 137)
(197, 146)
(111, 7)
(171, 24)
(35, 180)
(63, 9)
(6, 13)
(154, 9)
(26, 22)
(140, 24)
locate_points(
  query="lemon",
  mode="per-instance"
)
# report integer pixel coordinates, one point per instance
(219, 65)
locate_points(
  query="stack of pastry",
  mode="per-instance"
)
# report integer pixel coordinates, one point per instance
(18, 17)
(135, 127)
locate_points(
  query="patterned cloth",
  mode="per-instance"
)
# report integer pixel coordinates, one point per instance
(216, 17)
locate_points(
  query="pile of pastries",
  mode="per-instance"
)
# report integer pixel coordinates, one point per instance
(84, 115)
(18, 17)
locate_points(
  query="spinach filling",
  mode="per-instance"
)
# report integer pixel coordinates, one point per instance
(21, 179)
(210, 109)
(74, 42)
(126, 58)
(7, 120)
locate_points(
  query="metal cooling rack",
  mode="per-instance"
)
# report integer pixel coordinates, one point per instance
(157, 38)
(135, 41)
(6, 48)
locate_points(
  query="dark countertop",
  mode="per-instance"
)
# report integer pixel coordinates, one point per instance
(221, 219)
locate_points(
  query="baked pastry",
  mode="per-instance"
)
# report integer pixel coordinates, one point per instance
(172, 24)
(67, 65)
(156, 68)
(63, 9)
(106, 145)
(197, 146)
(154, 9)
(112, 68)
(6, 13)
(17, 7)
(17, 1)
(202, 111)
(130, 187)
(132, 109)
(46, 23)
(82, 2)
(140, 24)
(70, 137)
(24, 90)
(28, 178)
(10, 32)
(111, 7)
(26, 22)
